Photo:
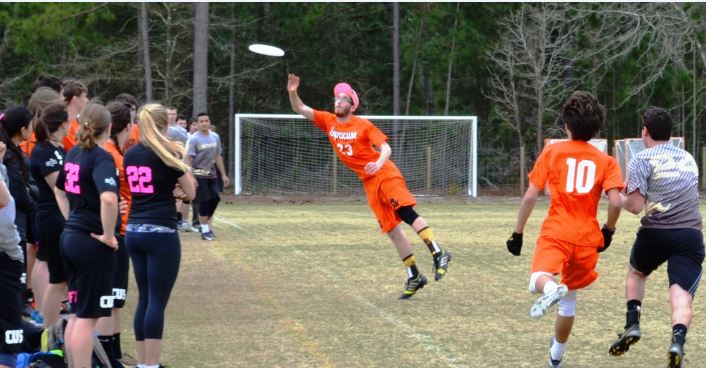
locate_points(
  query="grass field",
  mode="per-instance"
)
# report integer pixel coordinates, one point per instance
(292, 284)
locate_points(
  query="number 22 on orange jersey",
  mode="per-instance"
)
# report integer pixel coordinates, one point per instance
(580, 178)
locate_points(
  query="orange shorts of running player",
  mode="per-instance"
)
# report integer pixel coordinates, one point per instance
(385, 196)
(575, 263)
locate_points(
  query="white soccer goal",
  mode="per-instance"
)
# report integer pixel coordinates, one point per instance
(627, 148)
(288, 154)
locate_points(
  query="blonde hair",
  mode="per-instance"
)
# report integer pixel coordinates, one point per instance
(94, 120)
(41, 98)
(153, 120)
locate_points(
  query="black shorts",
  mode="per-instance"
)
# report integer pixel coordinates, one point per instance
(90, 272)
(11, 306)
(208, 189)
(122, 269)
(683, 249)
(49, 247)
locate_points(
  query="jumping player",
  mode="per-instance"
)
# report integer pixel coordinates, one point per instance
(663, 180)
(87, 188)
(570, 238)
(155, 174)
(352, 139)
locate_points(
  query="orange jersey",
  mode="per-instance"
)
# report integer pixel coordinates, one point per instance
(134, 137)
(124, 187)
(28, 146)
(353, 143)
(72, 136)
(577, 173)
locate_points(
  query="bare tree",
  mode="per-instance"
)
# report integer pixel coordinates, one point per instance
(534, 57)
(201, 21)
(143, 25)
(452, 54)
(395, 60)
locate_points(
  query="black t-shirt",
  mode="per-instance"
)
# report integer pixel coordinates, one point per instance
(85, 175)
(151, 184)
(46, 159)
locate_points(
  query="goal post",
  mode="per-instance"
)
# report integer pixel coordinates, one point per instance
(286, 154)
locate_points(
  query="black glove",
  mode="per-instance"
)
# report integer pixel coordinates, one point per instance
(607, 238)
(514, 244)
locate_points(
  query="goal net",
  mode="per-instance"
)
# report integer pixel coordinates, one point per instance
(288, 154)
(627, 148)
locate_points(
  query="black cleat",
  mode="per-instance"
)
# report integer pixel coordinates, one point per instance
(629, 337)
(675, 355)
(412, 285)
(441, 264)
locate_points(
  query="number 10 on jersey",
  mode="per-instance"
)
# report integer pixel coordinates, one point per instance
(580, 178)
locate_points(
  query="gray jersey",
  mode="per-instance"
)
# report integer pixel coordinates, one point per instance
(668, 178)
(203, 148)
(9, 237)
(177, 133)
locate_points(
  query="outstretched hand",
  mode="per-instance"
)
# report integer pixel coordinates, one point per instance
(292, 83)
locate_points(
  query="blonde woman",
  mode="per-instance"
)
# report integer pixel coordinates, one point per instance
(155, 174)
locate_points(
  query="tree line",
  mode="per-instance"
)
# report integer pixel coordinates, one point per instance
(511, 65)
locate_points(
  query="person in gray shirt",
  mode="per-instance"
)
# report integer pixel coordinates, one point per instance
(11, 269)
(175, 132)
(663, 180)
(204, 155)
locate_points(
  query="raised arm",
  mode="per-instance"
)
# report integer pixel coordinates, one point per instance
(297, 104)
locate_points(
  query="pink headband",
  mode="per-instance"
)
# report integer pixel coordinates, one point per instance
(346, 89)
(2, 115)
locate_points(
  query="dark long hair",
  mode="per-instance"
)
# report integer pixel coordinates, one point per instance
(120, 117)
(11, 123)
(51, 119)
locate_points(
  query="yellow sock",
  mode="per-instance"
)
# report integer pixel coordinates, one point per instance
(411, 265)
(428, 238)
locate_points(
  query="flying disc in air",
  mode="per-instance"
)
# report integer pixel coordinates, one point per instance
(268, 50)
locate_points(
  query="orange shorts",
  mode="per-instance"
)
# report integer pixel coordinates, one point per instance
(576, 264)
(385, 196)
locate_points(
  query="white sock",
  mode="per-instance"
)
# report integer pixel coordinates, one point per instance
(557, 350)
(550, 287)
(204, 229)
(151, 366)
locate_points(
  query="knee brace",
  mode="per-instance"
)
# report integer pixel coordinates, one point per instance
(533, 281)
(407, 214)
(567, 304)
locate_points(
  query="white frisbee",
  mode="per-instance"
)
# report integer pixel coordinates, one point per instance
(268, 50)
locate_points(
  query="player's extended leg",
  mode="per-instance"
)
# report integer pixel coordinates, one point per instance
(415, 280)
(562, 328)
(681, 319)
(551, 292)
(634, 293)
(420, 225)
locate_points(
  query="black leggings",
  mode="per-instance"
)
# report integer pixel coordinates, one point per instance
(155, 260)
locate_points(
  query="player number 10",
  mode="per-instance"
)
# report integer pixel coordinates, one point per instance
(581, 177)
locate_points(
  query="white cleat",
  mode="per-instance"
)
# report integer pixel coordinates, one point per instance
(544, 302)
